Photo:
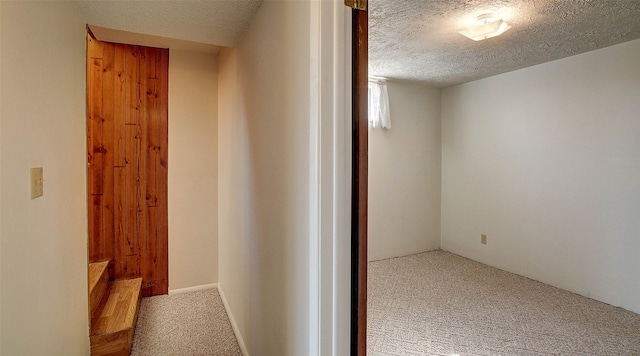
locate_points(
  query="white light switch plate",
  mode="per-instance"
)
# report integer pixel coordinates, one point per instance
(36, 182)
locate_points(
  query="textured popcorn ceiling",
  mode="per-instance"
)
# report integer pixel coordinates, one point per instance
(212, 22)
(418, 40)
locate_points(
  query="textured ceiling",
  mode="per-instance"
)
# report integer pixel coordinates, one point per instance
(418, 40)
(217, 22)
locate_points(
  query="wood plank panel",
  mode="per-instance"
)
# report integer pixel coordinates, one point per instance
(163, 123)
(131, 85)
(150, 251)
(143, 217)
(153, 63)
(95, 159)
(153, 142)
(120, 177)
(108, 91)
(162, 241)
(157, 287)
(127, 121)
(94, 126)
(94, 47)
(129, 192)
(155, 250)
(119, 106)
(95, 228)
(156, 253)
(131, 266)
(158, 132)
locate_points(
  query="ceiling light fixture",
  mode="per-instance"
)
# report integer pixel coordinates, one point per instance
(487, 26)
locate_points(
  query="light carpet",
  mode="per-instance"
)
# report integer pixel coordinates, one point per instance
(438, 303)
(193, 323)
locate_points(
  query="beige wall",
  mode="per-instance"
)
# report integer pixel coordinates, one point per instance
(546, 162)
(44, 124)
(193, 170)
(264, 220)
(404, 174)
(44, 241)
(0, 180)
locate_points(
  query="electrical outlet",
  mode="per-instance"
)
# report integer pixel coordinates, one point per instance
(483, 239)
(36, 182)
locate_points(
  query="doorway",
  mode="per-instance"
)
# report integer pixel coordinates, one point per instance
(127, 135)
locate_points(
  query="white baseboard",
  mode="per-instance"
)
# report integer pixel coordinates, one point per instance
(193, 289)
(234, 325)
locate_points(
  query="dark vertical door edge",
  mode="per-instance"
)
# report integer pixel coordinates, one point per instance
(359, 185)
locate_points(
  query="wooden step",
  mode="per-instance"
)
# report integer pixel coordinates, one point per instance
(114, 322)
(98, 281)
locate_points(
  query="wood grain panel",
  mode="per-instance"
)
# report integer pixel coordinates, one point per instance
(113, 327)
(119, 106)
(108, 107)
(130, 193)
(131, 85)
(94, 126)
(131, 266)
(143, 219)
(95, 159)
(163, 237)
(152, 117)
(151, 288)
(163, 124)
(94, 48)
(149, 250)
(120, 177)
(95, 228)
(98, 281)
(127, 129)
(118, 311)
(152, 63)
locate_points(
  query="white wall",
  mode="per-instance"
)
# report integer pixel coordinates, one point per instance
(404, 174)
(44, 241)
(193, 172)
(264, 179)
(546, 161)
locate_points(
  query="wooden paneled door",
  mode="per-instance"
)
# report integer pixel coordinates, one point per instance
(127, 113)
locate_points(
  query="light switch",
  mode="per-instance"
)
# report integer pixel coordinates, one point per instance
(36, 182)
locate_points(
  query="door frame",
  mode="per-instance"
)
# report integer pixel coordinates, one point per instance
(359, 182)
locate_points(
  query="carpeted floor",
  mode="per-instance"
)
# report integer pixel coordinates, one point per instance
(184, 324)
(438, 303)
